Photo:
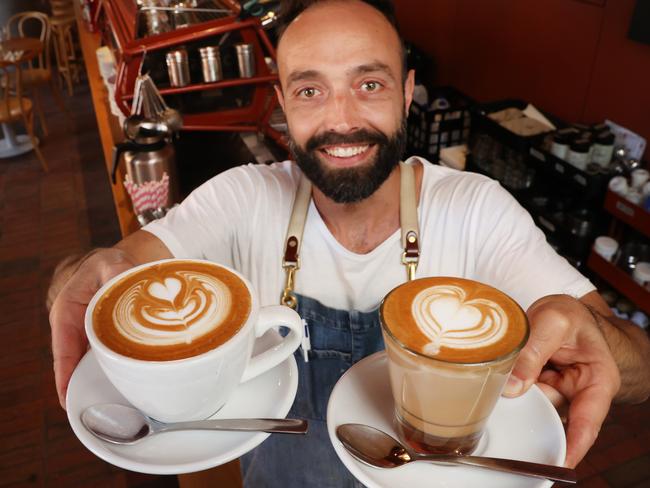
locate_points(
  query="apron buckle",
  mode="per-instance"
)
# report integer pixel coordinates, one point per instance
(411, 263)
(288, 296)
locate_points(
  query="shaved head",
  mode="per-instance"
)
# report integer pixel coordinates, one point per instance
(345, 93)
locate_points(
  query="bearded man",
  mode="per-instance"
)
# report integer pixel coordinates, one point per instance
(345, 91)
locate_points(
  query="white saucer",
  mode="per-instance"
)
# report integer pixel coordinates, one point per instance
(269, 395)
(526, 428)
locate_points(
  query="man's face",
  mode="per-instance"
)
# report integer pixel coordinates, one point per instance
(344, 97)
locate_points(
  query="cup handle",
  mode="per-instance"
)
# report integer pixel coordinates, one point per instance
(269, 317)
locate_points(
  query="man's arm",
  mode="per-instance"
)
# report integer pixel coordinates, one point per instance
(74, 283)
(630, 347)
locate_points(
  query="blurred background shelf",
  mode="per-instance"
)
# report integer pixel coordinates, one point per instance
(620, 280)
(627, 212)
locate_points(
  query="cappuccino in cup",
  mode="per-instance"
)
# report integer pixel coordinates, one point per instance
(175, 337)
(451, 344)
(171, 310)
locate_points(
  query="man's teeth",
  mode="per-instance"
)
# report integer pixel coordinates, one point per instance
(345, 152)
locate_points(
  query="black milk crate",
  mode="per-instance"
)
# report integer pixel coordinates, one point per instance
(484, 124)
(429, 130)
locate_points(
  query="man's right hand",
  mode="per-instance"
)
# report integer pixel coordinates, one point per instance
(78, 281)
(73, 286)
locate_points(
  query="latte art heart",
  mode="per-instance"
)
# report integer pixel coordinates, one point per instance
(176, 309)
(445, 316)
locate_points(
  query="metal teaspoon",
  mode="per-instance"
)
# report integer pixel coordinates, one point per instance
(378, 449)
(121, 424)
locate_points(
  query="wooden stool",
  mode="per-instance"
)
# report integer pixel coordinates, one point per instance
(62, 8)
(65, 50)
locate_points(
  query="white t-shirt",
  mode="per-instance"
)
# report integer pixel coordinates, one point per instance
(469, 227)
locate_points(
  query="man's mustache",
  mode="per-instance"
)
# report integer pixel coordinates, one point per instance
(364, 136)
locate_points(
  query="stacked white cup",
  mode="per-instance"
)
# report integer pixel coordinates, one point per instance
(606, 247)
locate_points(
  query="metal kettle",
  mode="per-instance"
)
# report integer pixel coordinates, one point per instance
(148, 154)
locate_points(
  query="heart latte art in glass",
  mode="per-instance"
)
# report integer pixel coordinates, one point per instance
(172, 310)
(451, 344)
(454, 319)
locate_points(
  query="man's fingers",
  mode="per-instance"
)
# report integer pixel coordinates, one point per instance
(586, 414)
(67, 315)
(547, 383)
(547, 335)
(588, 408)
(68, 343)
(63, 369)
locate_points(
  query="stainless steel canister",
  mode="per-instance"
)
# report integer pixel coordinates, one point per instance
(178, 67)
(211, 64)
(245, 60)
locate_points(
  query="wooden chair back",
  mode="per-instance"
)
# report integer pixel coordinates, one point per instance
(26, 23)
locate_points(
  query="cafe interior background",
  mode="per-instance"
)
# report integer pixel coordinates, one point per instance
(579, 69)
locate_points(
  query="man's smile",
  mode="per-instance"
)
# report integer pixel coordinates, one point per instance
(347, 154)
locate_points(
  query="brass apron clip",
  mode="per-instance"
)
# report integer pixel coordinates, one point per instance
(290, 263)
(411, 255)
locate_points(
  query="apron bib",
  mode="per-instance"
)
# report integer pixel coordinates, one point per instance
(337, 340)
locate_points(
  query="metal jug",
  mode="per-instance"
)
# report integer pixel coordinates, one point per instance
(147, 154)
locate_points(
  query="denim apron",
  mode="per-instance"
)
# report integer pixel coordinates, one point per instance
(337, 340)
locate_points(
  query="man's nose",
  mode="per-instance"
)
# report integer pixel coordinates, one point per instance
(342, 114)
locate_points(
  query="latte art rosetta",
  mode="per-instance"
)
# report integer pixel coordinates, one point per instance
(173, 309)
(448, 319)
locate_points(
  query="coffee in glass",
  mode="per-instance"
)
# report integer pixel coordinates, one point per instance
(451, 344)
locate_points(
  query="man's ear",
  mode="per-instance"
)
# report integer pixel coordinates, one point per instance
(409, 85)
(278, 92)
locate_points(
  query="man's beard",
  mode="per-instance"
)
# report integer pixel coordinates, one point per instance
(350, 185)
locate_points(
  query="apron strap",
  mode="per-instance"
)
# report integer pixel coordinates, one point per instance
(408, 222)
(291, 259)
(408, 216)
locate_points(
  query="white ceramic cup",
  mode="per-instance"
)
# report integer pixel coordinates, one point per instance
(639, 177)
(645, 191)
(618, 184)
(641, 273)
(197, 387)
(606, 247)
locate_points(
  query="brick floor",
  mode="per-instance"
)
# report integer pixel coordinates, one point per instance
(43, 218)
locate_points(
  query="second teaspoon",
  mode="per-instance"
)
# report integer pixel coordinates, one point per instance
(121, 424)
(380, 450)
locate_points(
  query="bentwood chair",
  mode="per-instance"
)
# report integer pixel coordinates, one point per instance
(14, 107)
(39, 71)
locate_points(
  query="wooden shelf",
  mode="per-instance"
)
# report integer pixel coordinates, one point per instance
(109, 130)
(620, 280)
(566, 171)
(628, 212)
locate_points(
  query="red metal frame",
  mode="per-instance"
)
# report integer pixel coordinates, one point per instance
(121, 17)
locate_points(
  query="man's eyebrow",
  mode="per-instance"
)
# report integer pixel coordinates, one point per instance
(312, 74)
(372, 68)
(309, 74)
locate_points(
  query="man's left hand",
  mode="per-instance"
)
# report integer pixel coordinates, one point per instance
(565, 336)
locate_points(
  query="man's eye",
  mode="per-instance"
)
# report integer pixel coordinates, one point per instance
(370, 86)
(308, 92)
